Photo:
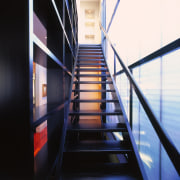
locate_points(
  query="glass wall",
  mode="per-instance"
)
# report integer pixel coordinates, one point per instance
(139, 28)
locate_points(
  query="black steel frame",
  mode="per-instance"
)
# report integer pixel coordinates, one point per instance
(69, 43)
(35, 40)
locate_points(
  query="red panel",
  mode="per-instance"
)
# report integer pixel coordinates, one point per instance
(40, 138)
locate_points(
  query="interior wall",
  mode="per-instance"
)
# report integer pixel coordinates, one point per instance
(90, 95)
(89, 31)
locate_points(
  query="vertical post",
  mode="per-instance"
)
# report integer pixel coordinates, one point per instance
(103, 21)
(103, 86)
(104, 16)
(64, 75)
(131, 103)
(114, 66)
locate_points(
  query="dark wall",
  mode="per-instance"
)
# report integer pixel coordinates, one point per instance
(16, 136)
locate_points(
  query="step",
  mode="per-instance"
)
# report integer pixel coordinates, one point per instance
(92, 75)
(84, 52)
(89, 46)
(99, 146)
(99, 171)
(93, 82)
(95, 60)
(91, 69)
(92, 127)
(102, 91)
(95, 113)
(95, 100)
(90, 64)
(98, 176)
(90, 49)
(89, 56)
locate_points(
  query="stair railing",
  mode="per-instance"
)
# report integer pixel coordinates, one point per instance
(161, 132)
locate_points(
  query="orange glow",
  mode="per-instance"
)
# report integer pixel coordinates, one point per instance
(40, 138)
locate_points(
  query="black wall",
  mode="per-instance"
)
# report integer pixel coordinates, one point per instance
(15, 128)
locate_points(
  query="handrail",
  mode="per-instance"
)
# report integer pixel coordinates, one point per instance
(161, 132)
(114, 12)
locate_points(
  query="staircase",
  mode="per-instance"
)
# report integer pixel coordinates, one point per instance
(96, 148)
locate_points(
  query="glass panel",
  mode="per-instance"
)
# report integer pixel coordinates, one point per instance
(123, 88)
(167, 169)
(150, 85)
(146, 140)
(137, 32)
(136, 111)
(171, 95)
(161, 86)
(159, 81)
(152, 153)
(170, 21)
